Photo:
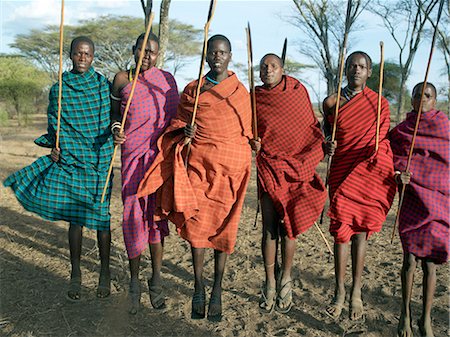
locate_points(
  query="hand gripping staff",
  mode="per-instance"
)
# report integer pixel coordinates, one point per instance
(419, 113)
(127, 106)
(338, 96)
(61, 43)
(212, 6)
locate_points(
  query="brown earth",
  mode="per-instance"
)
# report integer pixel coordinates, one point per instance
(34, 264)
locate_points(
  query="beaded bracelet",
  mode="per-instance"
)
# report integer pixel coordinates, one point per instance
(115, 125)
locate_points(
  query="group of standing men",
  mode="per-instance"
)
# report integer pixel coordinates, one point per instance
(196, 174)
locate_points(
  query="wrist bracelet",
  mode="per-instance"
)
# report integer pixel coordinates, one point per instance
(115, 125)
(115, 98)
(328, 138)
(396, 176)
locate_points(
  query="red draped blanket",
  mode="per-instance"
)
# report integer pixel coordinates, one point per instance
(424, 217)
(205, 200)
(291, 148)
(361, 181)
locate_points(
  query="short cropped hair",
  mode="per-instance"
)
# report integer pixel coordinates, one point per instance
(219, 37)
(151, 37)
(365, 55)
(80, 39)
(274, 55)
(429, 85)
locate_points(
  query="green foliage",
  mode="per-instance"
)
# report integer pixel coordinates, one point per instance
(21, 83)
(113, 36)
(391, 81)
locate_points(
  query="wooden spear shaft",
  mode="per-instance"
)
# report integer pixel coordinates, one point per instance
(60, 71)
(338, 96)
(251, 81)
(127, 106)
(380, 92)
(212, 7)
(419, 114)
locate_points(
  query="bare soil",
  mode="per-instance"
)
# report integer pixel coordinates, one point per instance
(35, 266)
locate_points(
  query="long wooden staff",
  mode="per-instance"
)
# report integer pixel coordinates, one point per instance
(212, 6)
(380, 92)
(251, 80)
(419, 113)
(127, 106)
(60, 71)
(338, 96)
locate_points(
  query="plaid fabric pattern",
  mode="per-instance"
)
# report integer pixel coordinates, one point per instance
(362, 186)
(154, 104)
(205, 200)
(71, 189)
(290, 152)
(424, 217)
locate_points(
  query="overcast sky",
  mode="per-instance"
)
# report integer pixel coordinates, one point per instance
(268, 19)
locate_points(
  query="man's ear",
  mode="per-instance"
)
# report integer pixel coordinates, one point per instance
(369, 73)
(133, 49)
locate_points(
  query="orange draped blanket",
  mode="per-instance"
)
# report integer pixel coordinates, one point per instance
(362, 186)
(205, 199)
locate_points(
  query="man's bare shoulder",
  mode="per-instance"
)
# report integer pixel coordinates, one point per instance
(329, 103)
(120, 81)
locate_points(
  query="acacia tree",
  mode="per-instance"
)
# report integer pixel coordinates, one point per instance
(391, 80)
(405, 20)
(323, 25)
(113, 37)
(21, 83)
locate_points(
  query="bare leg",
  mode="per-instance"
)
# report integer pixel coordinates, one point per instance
(284, 301)
(135, 286)
(359, 248)
(407, 275)
(75, 235)
(104, 246)
(269, 242)
(156, 292)
(340, 265)
(215, 302)
(198, 300)
(429, 286)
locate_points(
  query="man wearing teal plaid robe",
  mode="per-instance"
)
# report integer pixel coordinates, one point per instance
(70, 188)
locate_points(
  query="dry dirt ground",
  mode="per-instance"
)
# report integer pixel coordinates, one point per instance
(34, 264)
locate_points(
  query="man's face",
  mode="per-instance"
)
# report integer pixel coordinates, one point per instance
(150, 56)
(82, 56)
(270, 71)
(218, 56)
(429, 99)
(357, 71)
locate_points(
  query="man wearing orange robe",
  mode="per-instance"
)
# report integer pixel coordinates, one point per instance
(204, 200)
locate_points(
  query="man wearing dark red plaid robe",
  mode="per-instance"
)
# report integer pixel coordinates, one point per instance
(361, 180)
(291, 192)
(424, 216)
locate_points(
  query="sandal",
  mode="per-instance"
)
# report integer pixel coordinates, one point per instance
(74, 291)
(215, 301)
(104, 286)
(268, 300)
(337, 306)
(157, 298)
(356, 310)
(284, 303)
(198, 301)
(135, 296)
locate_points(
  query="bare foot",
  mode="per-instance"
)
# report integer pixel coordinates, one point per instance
(404, 328)
(335, 308)
(198, 303)
(104, 284)
(215, 306)
(425, 327)
(356, 310)
(134, 295)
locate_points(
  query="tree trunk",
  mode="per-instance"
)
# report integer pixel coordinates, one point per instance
(163, 32)
(400, 98)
